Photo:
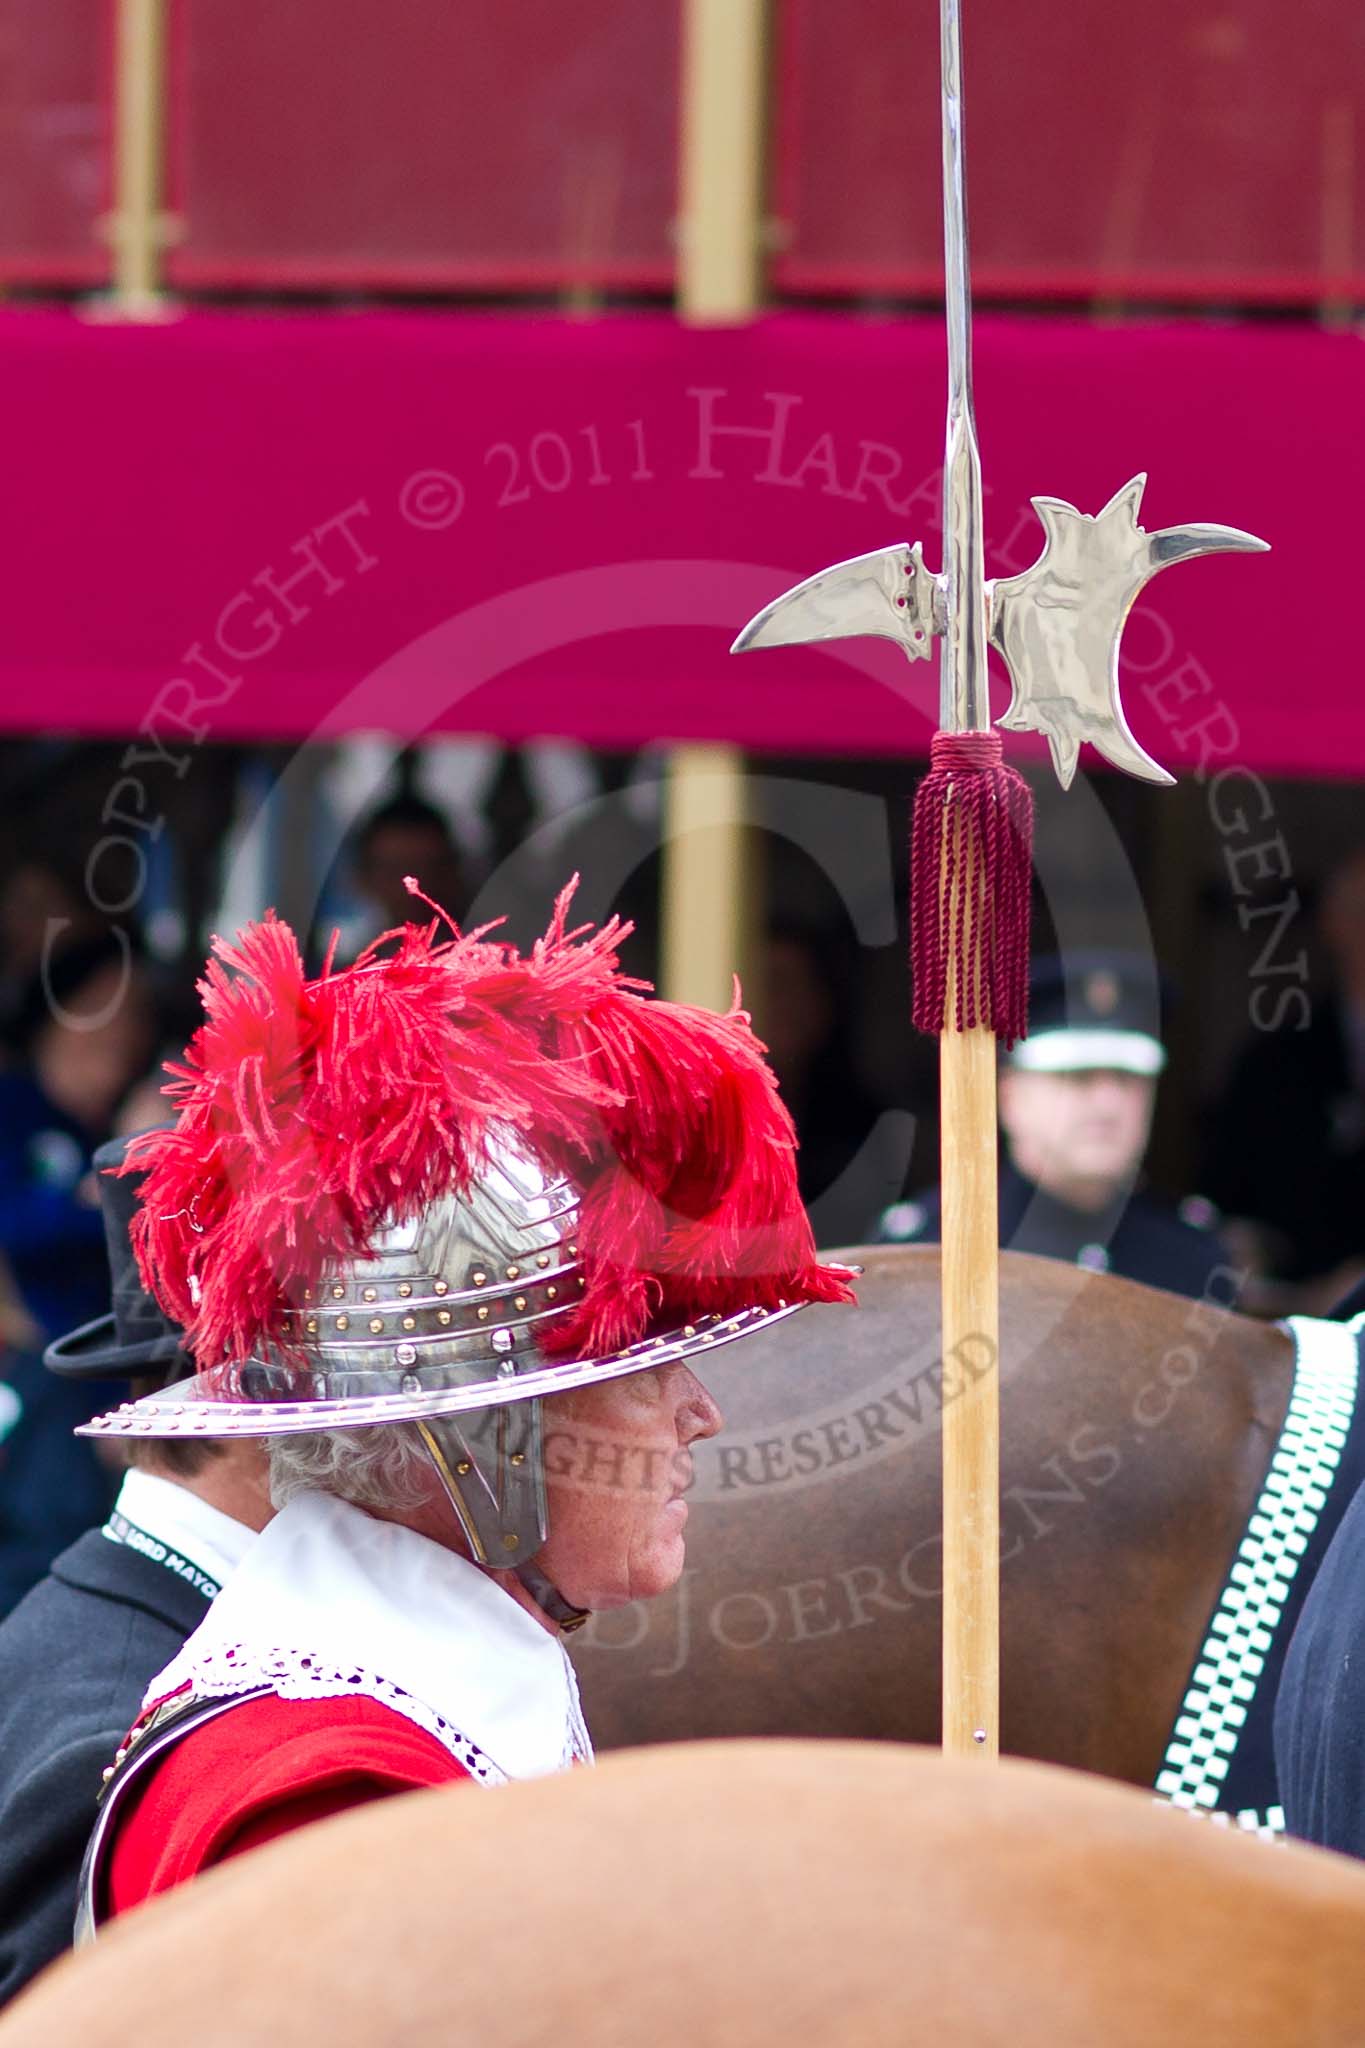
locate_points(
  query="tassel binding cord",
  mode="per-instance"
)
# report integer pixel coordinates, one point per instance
(971, 864)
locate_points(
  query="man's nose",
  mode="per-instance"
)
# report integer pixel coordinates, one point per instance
(1106, 1086)
(698, 1414)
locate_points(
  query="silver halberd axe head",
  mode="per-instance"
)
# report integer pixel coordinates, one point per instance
(1057, 625)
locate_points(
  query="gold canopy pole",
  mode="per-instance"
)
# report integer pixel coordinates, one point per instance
(707, 886)
(137, 229)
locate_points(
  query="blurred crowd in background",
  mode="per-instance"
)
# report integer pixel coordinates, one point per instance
(92, 1004)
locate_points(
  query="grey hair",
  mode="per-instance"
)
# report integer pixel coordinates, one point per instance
(385, 1466)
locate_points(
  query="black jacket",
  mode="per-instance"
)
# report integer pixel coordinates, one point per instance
(52, 1486)
(76, 1657)
(1287, 1145)
(1139, 1237)
(1320, 1711)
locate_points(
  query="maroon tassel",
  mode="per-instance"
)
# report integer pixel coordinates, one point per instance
(971, 861)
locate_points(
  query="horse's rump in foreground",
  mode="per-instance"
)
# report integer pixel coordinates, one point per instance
(1137, 1428)
(725, 1895)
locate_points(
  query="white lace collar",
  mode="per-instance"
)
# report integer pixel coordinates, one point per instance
(330, 1600)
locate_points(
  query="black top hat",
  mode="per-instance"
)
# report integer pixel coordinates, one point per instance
(1093, 1010)
(136, 1338)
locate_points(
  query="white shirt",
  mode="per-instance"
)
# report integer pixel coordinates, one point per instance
(330, 1601)
(174, 1527)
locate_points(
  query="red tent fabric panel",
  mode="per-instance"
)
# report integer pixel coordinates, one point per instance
(280, 526)
(1209, 150)
(523, 145)
(54, 67)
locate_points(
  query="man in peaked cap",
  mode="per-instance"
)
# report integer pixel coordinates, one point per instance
(449, 1229)
(78, 1651)
(1076, 1102)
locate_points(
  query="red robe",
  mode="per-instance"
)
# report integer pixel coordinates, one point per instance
(268, 1766)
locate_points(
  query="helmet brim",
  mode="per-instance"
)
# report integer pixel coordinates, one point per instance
(190, 1409)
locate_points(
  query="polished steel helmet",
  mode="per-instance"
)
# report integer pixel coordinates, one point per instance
(364, 1213)
(439, 1325)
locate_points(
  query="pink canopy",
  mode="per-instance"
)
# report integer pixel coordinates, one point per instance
(291, 525)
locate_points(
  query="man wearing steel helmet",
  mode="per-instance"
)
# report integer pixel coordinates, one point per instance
(464, 1219)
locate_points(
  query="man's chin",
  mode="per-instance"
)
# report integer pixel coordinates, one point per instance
(661, 1571)
(645, 1579)
(1091, 1192)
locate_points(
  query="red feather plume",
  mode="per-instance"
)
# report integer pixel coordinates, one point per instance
(312, 1110)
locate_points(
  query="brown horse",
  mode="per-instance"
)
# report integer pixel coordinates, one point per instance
(726, 1896)
(1137, 1429)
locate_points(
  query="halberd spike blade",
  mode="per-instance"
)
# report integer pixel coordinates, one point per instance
(1059, 624)
(888, 592)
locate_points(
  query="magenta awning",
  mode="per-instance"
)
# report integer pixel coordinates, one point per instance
(288, 526)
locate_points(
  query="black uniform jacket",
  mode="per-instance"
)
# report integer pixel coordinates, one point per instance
(1287, 1144)
(1320, 1711)
(1138, 1237)
(76, 1657)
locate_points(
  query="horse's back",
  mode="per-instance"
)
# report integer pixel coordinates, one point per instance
(736, 1894)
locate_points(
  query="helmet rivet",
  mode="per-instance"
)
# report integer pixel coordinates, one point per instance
(410, 1383)
(582, 1279)
(409, 1322)
(551, 1293)
(518, 1458)
(572, 1251)
(312, 1326)
(338, 1292)
(369, 1294)
(510, 1542)
(514, 1272)
(519, 1302)
(542, 1260)
(406, 1354)
(689, 1329)
(502, 1340)
(478, 1276)
(405, 1289)
(483, 1313)
(343, 1322)
(376, 1324)
(443, 1315)
(441, 1287)
(308, 1294)
(464, 1468)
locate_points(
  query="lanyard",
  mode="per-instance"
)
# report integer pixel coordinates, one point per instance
(120, 1530)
